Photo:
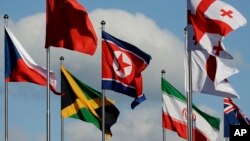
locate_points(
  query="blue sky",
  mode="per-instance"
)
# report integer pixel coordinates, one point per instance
(155, 26)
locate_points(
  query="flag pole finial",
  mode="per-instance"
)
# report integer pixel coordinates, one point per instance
(61, 58)
(185, 29)
(103, 22)
(163, 71)
(5, 16)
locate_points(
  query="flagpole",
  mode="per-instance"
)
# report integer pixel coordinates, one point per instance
(48, 96)
(189, 91)
(163, 129)
(62, 120)
(103, 96)
(6, 17)
(226, 139)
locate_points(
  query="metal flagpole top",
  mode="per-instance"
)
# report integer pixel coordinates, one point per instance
(61, 58)
(163, 71)
(5, 16)
(185, 29)
(103, 22)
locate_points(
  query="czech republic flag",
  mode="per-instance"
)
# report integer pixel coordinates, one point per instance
(20, 67)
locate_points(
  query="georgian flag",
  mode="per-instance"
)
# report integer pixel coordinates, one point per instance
(212, 20)
(210, 75)
(122, 64)
(212, 42)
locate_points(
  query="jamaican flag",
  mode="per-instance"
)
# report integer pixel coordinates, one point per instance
(82, 102)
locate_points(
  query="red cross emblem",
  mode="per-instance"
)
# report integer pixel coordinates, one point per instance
(226, 13)
(218, 49)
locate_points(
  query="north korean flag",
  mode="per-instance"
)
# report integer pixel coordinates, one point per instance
(122, 64)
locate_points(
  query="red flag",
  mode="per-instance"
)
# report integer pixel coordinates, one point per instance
(68, 26)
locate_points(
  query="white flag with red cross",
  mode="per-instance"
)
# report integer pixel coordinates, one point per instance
(210, 75)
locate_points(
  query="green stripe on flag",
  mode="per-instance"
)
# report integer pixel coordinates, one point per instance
(85, 115)
(89, 92)
(171, 91)
(83, 102)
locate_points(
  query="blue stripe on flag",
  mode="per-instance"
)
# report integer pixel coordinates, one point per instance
(137, 101)
(11, 55)
(129, 47)
(118, 87)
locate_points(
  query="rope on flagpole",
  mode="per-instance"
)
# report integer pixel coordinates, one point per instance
(103, 96)
(6, 17)
(62, 120)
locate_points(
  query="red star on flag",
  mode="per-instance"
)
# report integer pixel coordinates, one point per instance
(121, 64)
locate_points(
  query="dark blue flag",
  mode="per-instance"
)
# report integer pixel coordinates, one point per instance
(233, 116)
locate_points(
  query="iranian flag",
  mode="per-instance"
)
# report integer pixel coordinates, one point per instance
(174, 116)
